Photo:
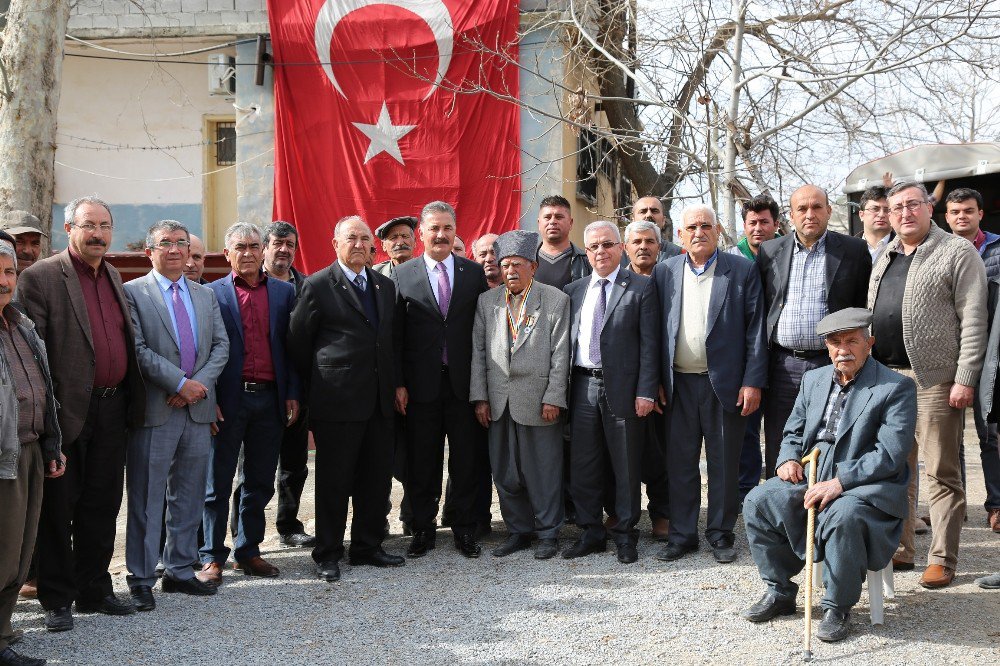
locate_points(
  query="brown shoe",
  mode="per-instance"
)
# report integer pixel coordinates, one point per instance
(992, 519)
(900, 565)
(257, 566)
(927, 520)
(660, 528)
(210, 574)
(30, 589)
(611, 522)
(936, 576)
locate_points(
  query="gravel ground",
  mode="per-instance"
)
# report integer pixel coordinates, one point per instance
(443, 609)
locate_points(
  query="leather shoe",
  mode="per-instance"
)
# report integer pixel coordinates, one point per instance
(210, 574)
(769, 607)
(723, 550)
(900, 565)
(328, 571)
(298, 540)
(936, 576)
(109, 605)
(991, 582)
(191, 586)
(59, 619)
(30, 589)
(257, 566)
(142, 597)
(423, 541)
(514, 543)
(10, 658)
(675, 551)
(835, 626)
(627, 554)
(546, 549)
(661, 526)
(993, 519)
(378, 558)
(467, 545)
(583, 548)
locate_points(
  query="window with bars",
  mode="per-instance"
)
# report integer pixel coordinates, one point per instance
(225, 144)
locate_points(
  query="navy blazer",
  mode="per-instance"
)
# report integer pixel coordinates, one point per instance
(735, 340)
(280, 301)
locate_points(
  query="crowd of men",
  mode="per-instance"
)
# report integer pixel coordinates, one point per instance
(565, 377)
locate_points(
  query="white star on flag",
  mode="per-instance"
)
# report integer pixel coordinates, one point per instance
(384, 136)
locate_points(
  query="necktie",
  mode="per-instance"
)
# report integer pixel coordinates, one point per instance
(360, 281)
(598, 323)
(184, 333)
(444, 300)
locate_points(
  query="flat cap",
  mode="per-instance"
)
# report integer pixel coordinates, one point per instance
(21, 222)
(6, 237)
(384, 228)
(517, 243)
(847, 319)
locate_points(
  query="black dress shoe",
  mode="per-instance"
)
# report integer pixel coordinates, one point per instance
(59, 619)
(298, 540)
(627, 554)
(467, 545)
(378, 558)
(160, 568)
(583, 548)
(423, 541)
(675, 551)
(836, 625)
(769, 607)
(10, 658)
(546, 549)
(514, 543)
(723, 550)
(191, 586)
(109, 605)
(142, 597)
(328, 571)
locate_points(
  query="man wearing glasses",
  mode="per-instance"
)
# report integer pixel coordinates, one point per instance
(874, 214)
(76, 300)
(928, 295)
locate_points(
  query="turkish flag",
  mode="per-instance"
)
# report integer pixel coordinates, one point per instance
(382, 106)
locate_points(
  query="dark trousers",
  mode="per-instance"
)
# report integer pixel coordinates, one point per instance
(783, 380)
(293, 469)
(751, 460)
(258, 427)
(695, 415)
(601, 441)
(353, 462)
(76, 531)
(987, 435)
(399, 469)
(483, 503)
(21, 502)
(654, 467)
(428, 423)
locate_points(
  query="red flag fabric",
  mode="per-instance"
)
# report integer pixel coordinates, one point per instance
(380, 108)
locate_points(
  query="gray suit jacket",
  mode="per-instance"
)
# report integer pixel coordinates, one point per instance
(159, 352)
(536, 370)
(874, 435)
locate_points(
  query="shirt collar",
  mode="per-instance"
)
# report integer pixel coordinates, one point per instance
(449, 263)
(979, 240)
(348, 273)
(165, 283)
(708, 264)
(612, 276)
(817, 246)
(80, 263)
(244, 283)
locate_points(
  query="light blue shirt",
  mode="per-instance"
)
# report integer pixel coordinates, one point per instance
(185, 293)
(350, 275)
(699, 271)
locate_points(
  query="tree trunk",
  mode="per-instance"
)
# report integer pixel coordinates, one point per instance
(31, 56)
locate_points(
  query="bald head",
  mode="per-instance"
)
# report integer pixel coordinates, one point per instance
(194, 267)
(810, 213)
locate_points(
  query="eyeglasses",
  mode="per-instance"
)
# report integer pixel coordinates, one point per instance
(91, 228)
(166, 246)
(606, 245)
(909, 205)
(876, 209)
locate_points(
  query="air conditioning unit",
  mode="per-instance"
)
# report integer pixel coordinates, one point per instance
(221, 75)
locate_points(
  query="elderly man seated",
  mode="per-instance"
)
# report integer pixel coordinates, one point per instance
(862, 417)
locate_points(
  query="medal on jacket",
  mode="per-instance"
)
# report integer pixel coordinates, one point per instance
(513, 323)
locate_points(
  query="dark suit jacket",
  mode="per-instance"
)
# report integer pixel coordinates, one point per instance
(848, 268)
(51, 294)
(630, 338)
(735, 341)
(348, 362)
(422, 331)
(280, 301)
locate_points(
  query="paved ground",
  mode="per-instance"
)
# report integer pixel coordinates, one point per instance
(444, 609)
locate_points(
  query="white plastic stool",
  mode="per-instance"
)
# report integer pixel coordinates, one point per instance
(881, 586)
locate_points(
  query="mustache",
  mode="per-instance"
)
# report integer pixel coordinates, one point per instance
(401, 246)
(97, 241)
(6, 290)
(845, 357)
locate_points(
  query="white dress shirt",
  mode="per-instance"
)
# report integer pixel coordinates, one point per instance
(582, 351)
(432, 275)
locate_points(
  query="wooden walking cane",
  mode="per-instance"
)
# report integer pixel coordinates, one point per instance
(810, 460)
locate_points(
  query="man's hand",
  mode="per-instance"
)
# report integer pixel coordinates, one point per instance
(549, 412)
(291, 410)
(482, 412)
(56, 468)
(402, 398)
(822, 493)
(661, 400)
(790, 471)
(749, 400)
(214, 428)
(643, 407)
(176, 401)
(192, 391)
(961, 396)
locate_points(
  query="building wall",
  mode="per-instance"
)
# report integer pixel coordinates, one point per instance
(90, 19)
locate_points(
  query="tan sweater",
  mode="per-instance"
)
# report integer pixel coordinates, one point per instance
(691, 355)
(944, 308)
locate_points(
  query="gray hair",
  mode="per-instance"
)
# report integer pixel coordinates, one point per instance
(437, 207)
(602, 224)
(7, 250)
(69, 213)
(242, 230)
(349, 218)
(907, 185)
(640, 226)
(167, 226)
(279, 229)
(699, 208)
